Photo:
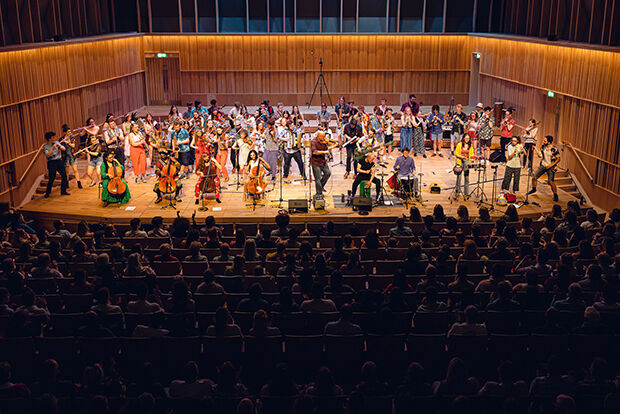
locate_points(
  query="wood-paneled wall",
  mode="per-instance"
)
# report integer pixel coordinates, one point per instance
(44, 87)
(285, 68)
(585, 111)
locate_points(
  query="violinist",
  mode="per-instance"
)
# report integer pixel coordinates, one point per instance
(68, 141)
(167, 167)
(221, 142)
(320, 149)
(95, 151)
(243, 145)
(53, 150)
(253, 173)
(208, 181)
(199, 143)
(113, 184)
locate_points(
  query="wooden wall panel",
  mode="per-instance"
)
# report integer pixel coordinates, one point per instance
(586, 106)
(285, 68)
(30, 73)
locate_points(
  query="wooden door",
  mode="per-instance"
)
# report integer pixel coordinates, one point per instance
(163, 80)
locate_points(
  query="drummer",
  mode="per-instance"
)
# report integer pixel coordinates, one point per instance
(405, 169)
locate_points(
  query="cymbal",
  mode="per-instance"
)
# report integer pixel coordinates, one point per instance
(382, 174)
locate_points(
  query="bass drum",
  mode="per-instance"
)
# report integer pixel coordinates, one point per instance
(392, 182)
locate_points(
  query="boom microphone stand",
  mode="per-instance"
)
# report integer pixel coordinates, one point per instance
(280, 167)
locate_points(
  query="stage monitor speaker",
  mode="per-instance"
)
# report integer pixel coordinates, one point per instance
(298, 205)
(319, 203)
(362, 203)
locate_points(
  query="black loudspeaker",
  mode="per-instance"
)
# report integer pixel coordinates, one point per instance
(362, 203)
(298, 205)
(496, 156)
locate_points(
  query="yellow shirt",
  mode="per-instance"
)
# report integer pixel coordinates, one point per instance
(457, 150)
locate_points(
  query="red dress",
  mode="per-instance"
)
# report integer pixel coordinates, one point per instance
(212, 173)
(201, 149)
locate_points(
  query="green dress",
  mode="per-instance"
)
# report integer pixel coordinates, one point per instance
(110, 198)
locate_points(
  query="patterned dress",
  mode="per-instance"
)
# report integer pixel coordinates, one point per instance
(105, 195)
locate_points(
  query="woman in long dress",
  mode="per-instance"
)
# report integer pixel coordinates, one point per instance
(106, 166)
(418, 135)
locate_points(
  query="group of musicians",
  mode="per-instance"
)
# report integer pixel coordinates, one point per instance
(201, 140)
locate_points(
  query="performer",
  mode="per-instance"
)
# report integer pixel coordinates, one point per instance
(199, 143)
(485, 132)
(549, 159)
(405, 168)
(343, 112)
(221, 142)
(463, 153)
(323, 115)
(68, 141)
(95, 158)
(53, 150)
(376, 124)
(411, 103)
(388, 129)
(138, 153)
(435, 119)
(253, 170)
(459, 119)
(208, 180)
(351, 134)
(232, 137)
(292, 150)
(320, 149)
(506, 131)
(115, 141)
(244, 145)
(530, 135)
(270, 154)
(180, 142)
(169, 163)
(472, 130)
(419, 130)
(514, 150)
(366, 172)
(112, 171)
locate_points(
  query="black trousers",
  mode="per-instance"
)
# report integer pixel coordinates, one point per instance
(119, 154)
(53, 167)
(359, 179)
(529, 155)
(287, 163)
(233, 158)
(503, 143)
(350, 154)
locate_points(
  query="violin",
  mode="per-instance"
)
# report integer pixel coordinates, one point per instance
(256, 185)
(116, 185)
(167, 183)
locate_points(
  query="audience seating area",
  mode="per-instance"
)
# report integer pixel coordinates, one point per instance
(420, 314)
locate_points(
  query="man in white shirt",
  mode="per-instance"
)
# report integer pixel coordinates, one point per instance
(514, 150)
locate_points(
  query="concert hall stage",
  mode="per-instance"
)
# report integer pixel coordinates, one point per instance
(85, 204)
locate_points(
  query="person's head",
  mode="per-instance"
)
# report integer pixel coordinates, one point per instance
(103, 296)
(462, 213)
(438, 213)
(134, 223)
(435, 109)
(324, 381)
(591, 316)
(483, 213)
(574, 291)
(451, 224)
(222, 318)
(471, 314)
(456, 373)
(282, 220)
(515, 140)
(260, 322)
(547, 140)
(190, 372)
(317, 291)
(565, 404)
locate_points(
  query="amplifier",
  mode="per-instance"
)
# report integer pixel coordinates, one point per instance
(319, 203)
(362, 203)
(298, 205)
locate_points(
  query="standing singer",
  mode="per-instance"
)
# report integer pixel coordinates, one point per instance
(514, 150)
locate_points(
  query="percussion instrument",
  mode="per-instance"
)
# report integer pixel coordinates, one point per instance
(116, 185)
(457, 169)
(364, 192)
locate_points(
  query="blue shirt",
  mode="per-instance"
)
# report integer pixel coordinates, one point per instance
(202, 110)
(182, 135)
(406, 165)
(435, 129)
(324, 117)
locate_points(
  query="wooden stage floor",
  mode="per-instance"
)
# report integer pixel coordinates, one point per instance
(84, 204)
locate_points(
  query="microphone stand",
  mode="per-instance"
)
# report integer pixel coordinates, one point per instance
(280, 168)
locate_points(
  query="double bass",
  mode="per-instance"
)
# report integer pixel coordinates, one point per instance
(116, 185)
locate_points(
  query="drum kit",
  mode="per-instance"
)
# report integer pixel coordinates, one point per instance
(406, 187)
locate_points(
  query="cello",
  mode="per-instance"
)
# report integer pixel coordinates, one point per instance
(167, 182)
(116, 185)
(256, 184)
(208, 181)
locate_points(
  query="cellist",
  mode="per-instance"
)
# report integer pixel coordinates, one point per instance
(207, 172)
(166, 160)
(112, 169)
(253, 171)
